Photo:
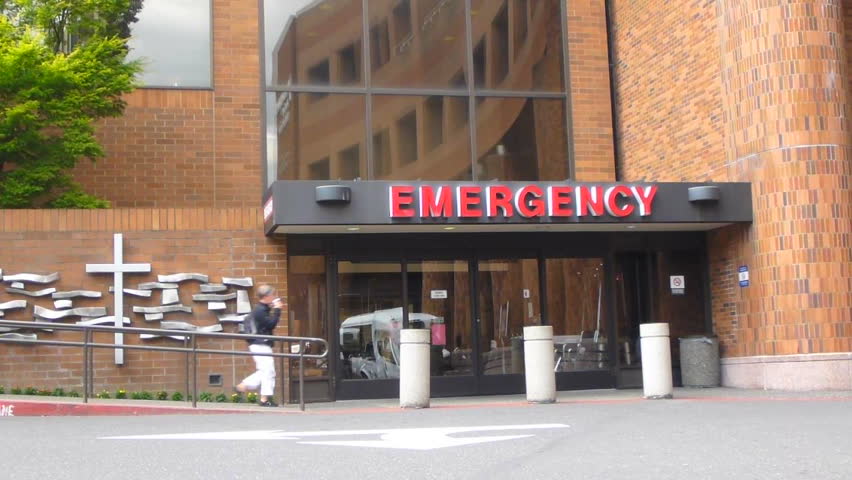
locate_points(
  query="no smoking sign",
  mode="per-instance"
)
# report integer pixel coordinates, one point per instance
(678, 284)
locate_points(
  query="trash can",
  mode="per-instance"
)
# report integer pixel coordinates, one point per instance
(699, 361)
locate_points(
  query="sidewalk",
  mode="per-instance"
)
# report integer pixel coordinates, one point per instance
(23, 405)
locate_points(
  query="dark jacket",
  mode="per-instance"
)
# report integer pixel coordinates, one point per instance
(266, 319)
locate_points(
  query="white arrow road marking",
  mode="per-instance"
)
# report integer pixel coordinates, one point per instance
(401, 438)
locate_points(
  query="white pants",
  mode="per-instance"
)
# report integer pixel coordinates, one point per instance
(264, 377)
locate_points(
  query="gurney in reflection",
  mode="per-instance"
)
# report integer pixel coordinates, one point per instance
(369, 343)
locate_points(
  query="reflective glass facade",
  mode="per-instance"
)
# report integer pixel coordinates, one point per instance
(407, 90)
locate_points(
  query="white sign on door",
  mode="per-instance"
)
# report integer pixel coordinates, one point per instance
(437, 294)
(678, 284)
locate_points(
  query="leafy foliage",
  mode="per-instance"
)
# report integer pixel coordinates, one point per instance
(49, 99)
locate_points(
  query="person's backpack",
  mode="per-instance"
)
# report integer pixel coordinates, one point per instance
(248, 325)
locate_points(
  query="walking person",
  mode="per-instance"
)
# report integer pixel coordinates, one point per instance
(262, 321)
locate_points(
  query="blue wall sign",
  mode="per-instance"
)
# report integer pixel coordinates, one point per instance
(743, 276)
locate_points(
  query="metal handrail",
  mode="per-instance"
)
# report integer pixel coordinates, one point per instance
(87, 344)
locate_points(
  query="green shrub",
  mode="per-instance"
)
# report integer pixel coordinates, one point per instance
(252, 397)
(103, 394)
(162, 395)
(205, 397)
(121, 393)
(30, 391)
(16, 391)
(44, 393)
(73, 393)
(146, 395)
(236, 398)
(58, 392)
(177, 397)
(2, 389)
(221, 398)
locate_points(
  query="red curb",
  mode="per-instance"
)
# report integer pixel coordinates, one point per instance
(18, 408)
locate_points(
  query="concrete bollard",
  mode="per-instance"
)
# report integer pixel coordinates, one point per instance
(414, 379)
(656, 360)
(538, 359)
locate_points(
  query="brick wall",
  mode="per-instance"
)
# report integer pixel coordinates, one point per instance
(190, 148)
(847, 24)
(591, 116)
(216, 242)
(748, 91)
(669, 97)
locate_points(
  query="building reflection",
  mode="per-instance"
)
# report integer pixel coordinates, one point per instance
(421, 44)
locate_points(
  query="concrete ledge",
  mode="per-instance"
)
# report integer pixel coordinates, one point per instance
(820, 371)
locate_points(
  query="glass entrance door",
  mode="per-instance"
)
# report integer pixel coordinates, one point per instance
(375, 300)
(508, 300)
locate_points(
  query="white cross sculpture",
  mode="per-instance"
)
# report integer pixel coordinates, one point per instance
(118, 268)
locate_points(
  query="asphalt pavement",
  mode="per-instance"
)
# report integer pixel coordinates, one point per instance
(605, 434)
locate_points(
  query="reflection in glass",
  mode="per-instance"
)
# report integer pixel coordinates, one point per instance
(306, 306)
(576, 309)
(314, 43)
(319, 138)
(172, 38)
(439, 299)
(521, 139)
(418, 44)
(420, 138)
(508, 301)
(370, 318)
(517, 45)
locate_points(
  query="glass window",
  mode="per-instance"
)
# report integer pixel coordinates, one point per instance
(317, 47)
(313, 43)
(439, 299)
(416, 137)
(172, 39)
(517, 45)
(508, 301)
(418, 44)
(369, 318)
(521, 139)
(318, 138)
(576, 309)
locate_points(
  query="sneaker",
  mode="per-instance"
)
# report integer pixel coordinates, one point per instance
(268, 403)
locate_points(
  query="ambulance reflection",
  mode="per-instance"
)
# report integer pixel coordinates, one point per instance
(369, 343)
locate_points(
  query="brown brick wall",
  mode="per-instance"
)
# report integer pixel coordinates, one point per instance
(668, 91)
(219, 243)
(190, 148)
(847, 23)
(788, 134)
(748, 91)
(591, 116)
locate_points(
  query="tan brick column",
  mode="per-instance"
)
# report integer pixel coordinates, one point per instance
(785, 95)
(591, 115)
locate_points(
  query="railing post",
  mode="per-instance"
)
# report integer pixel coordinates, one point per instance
(86, 353)
(282, 383)
(301, 376)
(186, 366)
(194, 371)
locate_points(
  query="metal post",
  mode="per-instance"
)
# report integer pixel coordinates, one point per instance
(86, 335)
(301, 376)
(186, 367)
(194, 371)
(283, 386)
(91, 365)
